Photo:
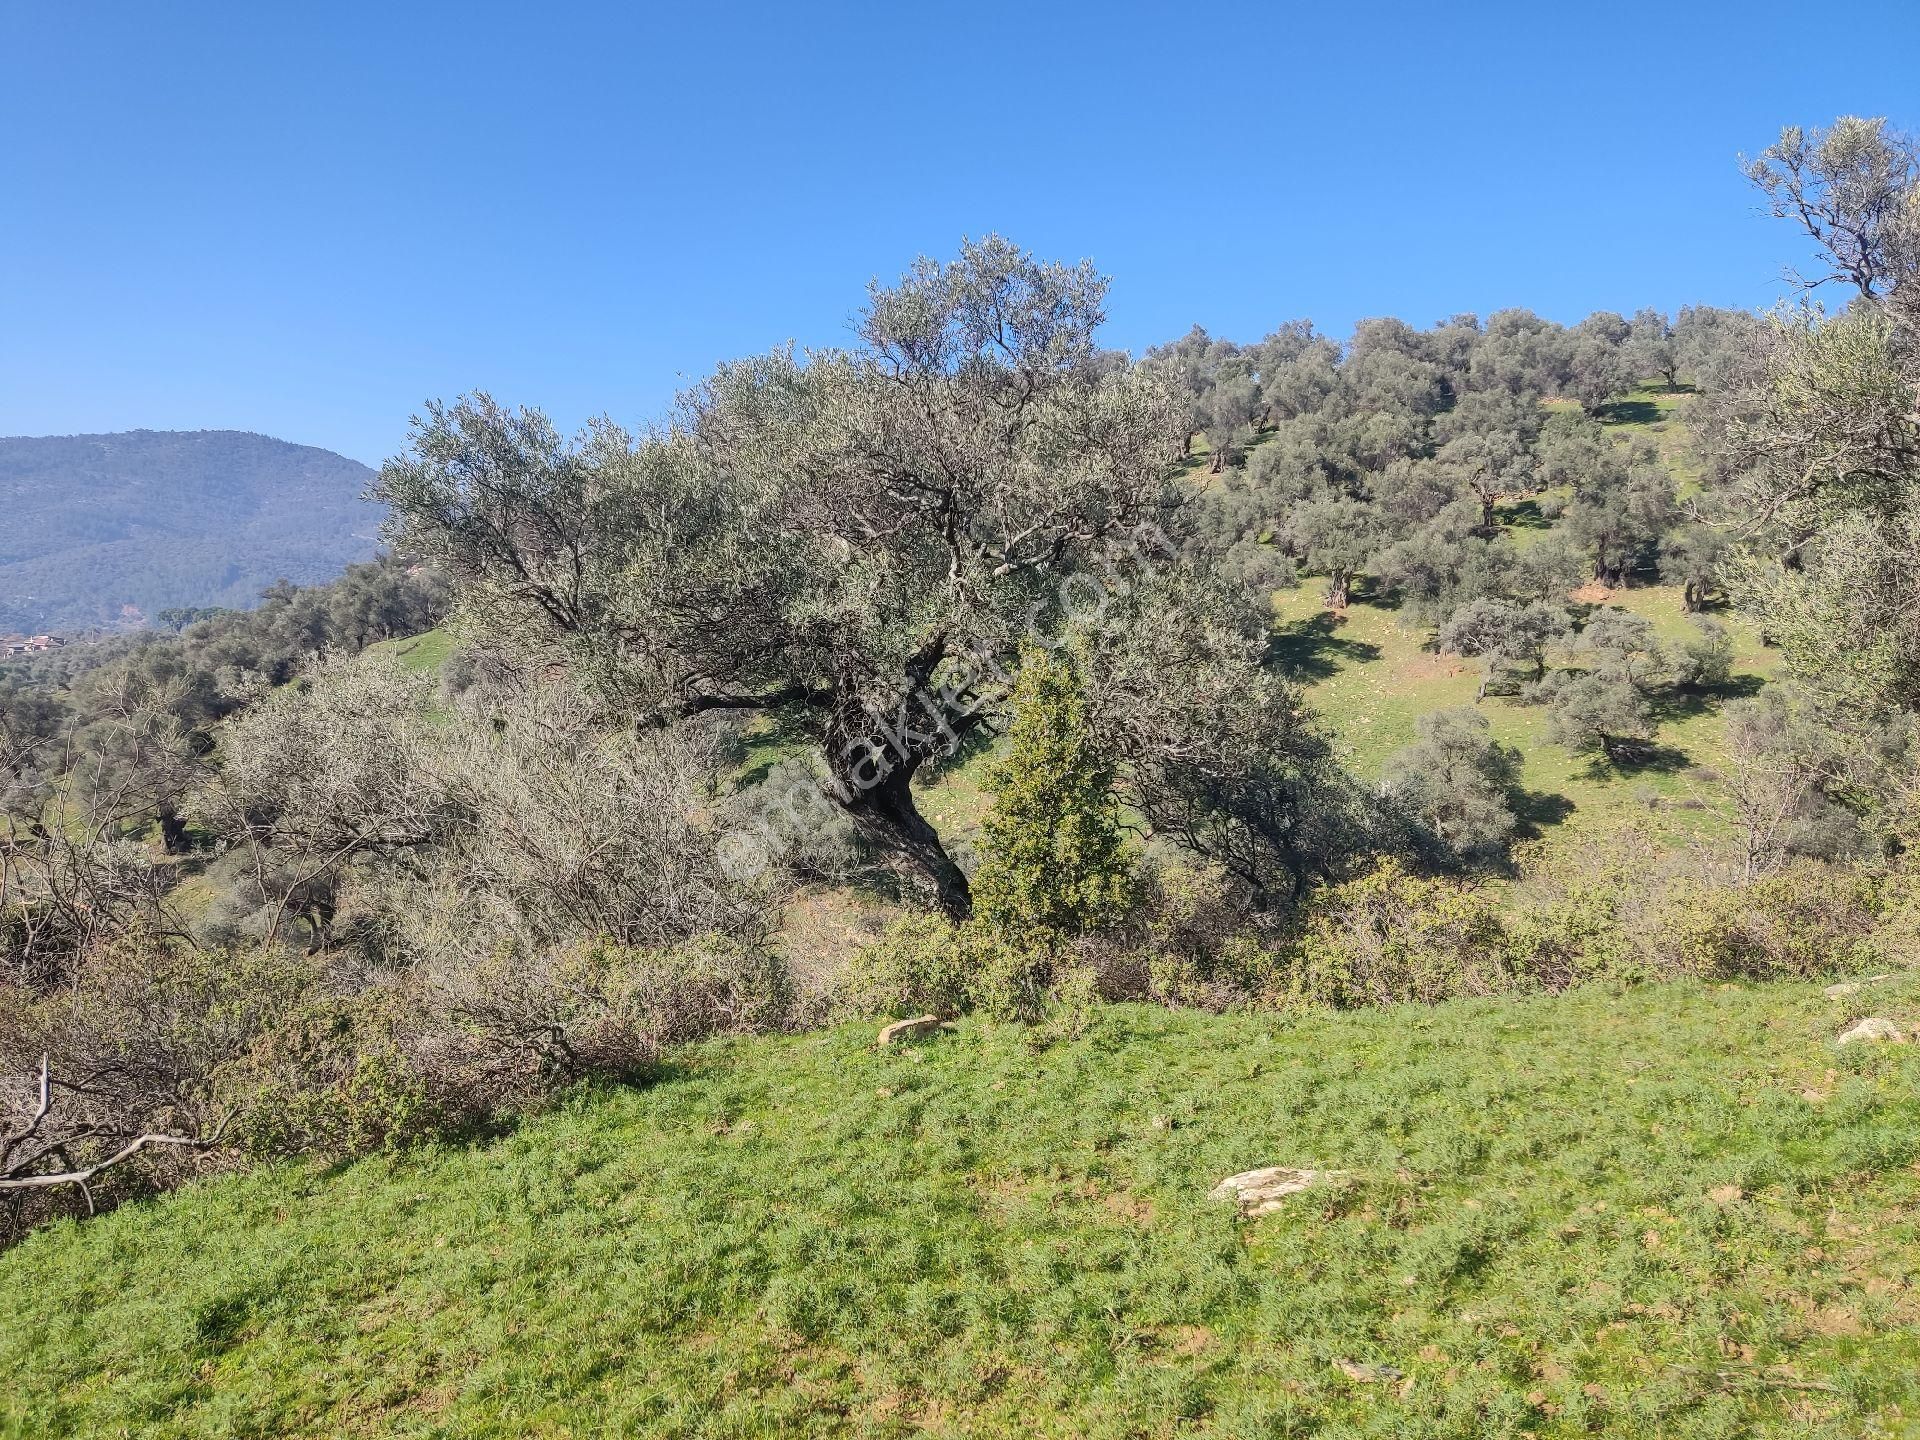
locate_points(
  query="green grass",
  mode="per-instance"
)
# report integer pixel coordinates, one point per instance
(1371, 677)
(418, 654)
(1653, 412)
(1679, 1211)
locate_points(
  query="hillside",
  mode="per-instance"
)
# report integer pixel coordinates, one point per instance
(111, 529)
(1370, 674)
(1675, 1211)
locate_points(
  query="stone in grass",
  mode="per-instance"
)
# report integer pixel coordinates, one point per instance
(1874, 1027)
(1852, 987)
(1366, 1372)
(910, 1029)
(1261, 1192)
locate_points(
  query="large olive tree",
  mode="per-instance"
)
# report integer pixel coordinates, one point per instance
(855, 540)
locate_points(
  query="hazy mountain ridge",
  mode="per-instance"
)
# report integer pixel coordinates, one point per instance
(93, 524)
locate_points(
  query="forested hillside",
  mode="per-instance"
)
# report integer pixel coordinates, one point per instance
(109, 530)
(1552, 688)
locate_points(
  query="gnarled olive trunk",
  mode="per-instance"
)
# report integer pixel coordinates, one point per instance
(885, 812)
(873, 752)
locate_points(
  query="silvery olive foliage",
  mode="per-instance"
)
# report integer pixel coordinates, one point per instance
(850, 539)
(1816, 446)
(514, 817)
(1459, 784)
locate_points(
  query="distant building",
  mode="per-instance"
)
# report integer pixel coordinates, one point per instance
(28, 644)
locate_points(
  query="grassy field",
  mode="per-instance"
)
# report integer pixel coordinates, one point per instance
(1371, 677)
(418, 654)
(1678, 1211)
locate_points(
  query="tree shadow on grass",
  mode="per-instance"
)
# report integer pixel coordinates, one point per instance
(1639, 757)
(1311, 649)
(975, 742)
(1635, 411)
(782, 738)
(1537, 809)
(1688, 704)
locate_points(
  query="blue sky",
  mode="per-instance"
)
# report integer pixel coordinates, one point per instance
(307, 219)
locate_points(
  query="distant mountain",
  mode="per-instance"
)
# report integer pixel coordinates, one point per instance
(112, 529)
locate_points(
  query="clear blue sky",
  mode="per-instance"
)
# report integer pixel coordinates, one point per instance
(306, 219)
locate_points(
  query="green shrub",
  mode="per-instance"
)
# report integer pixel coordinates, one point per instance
(332, 1080)
(1190, 941)
(710, 985)
(1807, 920)
(1054, 862)
(926, 964)
(1391, 937)
(1592, 913)
(137, 1041)
(919, 966)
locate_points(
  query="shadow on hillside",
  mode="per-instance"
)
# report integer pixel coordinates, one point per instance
(975, 742)
(1687, 704)
(1629, 412)
(1310, 649)
(1537, 809)
(1639, 757)
(780, 740)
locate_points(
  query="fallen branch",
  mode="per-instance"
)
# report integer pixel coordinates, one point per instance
(12, 1178)
(20, 1137)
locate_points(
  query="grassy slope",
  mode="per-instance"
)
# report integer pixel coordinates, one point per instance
(1371, 678)
(809, 1236)
(420, 653)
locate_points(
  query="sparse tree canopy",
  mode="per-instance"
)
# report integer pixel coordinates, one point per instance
(1849, 188)
(1818, 443)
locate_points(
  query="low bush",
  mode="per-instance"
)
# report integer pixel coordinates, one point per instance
(1809, 919)
(927, 964)
(1391, 936)
(141, 1040)
(514, 1025)
(333, 1080)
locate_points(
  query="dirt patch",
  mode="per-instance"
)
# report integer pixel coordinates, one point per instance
(822, 930)
(1134, 1209)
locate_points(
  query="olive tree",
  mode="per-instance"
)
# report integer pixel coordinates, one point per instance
(1651, 349)
(856, 541)
(1618, 642)
(1818, 434)
(1600, 366)
(1599, 712)
(1848, 186)
(1337, 536)
(1503, 634)
(1459, 783)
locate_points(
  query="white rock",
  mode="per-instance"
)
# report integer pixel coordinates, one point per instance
(910, 1029)
(1852, 987)
(1261, 1192)
(1874, 1028)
